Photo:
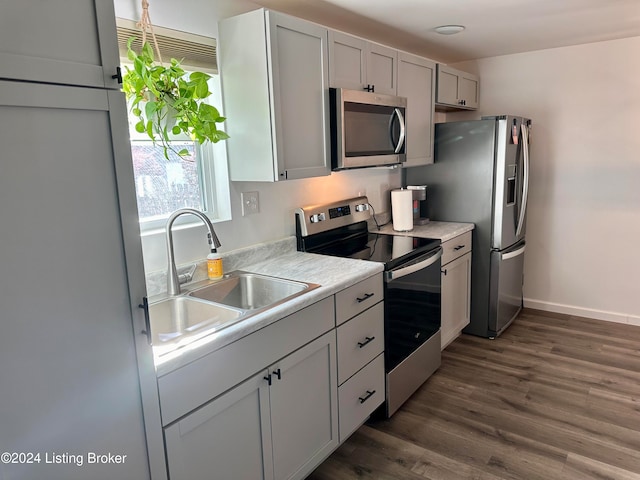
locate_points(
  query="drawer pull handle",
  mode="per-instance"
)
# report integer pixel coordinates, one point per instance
(278, 374)
(367, 396)
(458, 247)
(268, 379)
(366, 297)
(366, 342)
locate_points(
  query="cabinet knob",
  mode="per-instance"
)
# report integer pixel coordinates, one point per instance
(278, 374)
(268, 379)
(444, 271)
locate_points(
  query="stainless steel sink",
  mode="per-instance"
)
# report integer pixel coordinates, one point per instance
(251, 291)
(179, 320)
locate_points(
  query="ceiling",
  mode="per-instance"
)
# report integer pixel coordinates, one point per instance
(493, 27)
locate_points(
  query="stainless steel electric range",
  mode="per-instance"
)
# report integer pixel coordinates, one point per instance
(411, 287)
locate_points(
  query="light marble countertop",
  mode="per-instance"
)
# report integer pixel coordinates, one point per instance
(333, 274)
(441, 230)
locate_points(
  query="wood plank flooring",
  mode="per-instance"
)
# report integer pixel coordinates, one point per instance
(554, 397)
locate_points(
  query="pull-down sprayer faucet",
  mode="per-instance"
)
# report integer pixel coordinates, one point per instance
(173, 281)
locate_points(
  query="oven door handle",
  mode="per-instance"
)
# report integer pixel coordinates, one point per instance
(422, 262)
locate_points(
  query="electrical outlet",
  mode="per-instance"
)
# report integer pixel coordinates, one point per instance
(250, 203)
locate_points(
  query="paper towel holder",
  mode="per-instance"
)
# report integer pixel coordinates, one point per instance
(419, 204)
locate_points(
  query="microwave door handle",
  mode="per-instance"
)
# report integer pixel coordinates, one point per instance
(525, 187)
(398, 113)
(431, 258)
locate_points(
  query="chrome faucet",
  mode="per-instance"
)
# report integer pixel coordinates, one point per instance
(173, 281)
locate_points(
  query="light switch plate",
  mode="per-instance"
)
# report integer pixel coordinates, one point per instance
(250, 203)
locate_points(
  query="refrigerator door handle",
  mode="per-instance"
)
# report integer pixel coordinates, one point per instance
(515, 253)
(525, 188)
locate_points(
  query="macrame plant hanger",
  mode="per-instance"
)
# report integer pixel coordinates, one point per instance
(145, 24)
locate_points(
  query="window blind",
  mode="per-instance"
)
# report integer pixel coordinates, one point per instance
(195, 51)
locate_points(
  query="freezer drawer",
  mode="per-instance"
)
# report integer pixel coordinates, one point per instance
(507, 268)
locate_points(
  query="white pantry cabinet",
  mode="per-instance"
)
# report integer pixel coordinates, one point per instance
(456, 287)
(457, 89)
(275, 88)
(358, 64)
(416, 82)
(68, 42)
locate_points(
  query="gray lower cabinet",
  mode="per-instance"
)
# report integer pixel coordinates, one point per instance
(456, 287)
(227, 438)
(304, 408)
(315, 384)
(275, 88)
(279, 424)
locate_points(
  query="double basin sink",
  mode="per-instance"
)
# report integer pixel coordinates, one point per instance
(180, 320)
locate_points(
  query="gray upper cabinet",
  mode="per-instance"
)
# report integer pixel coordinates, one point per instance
(275, 84)
(68, 42)
(357, 64)
(416, 82)
(457, 89)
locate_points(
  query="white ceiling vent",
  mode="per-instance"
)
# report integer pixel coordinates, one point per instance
(195, 51)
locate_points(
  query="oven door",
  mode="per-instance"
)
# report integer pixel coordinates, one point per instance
(412, 327)
(412, 306)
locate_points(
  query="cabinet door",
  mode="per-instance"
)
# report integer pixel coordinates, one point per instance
(227, 438)
(456, 297)
(67, 342)
(70, 42)
(469, 90)
(382, 68)
(347, 61)
(304, 415)
(447, 87)
(416, 82)
(300, 85)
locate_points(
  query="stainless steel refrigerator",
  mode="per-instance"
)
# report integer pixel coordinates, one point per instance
(481, 175)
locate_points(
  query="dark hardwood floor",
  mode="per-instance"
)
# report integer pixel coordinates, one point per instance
(554, 397)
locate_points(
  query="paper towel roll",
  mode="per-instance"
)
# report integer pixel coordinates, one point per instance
(402, 209)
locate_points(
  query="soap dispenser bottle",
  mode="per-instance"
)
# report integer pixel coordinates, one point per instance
(214, 265)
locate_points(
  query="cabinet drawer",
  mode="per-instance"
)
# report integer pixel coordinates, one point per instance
(456, 247)
(360, 340)
(355, 398)
(357, 298)
(188, 387)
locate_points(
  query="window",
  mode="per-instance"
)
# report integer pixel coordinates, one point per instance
(198, 181)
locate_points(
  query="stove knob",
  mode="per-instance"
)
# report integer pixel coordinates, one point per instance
(318, 217)
(362, 207)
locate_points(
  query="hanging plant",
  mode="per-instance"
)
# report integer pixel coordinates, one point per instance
(167, 101)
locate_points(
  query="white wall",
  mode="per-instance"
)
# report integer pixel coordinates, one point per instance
(583, 230)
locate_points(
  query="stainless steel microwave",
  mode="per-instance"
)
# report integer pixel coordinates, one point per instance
(367, 129)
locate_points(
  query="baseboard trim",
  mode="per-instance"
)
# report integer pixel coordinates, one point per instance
(582, 312)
